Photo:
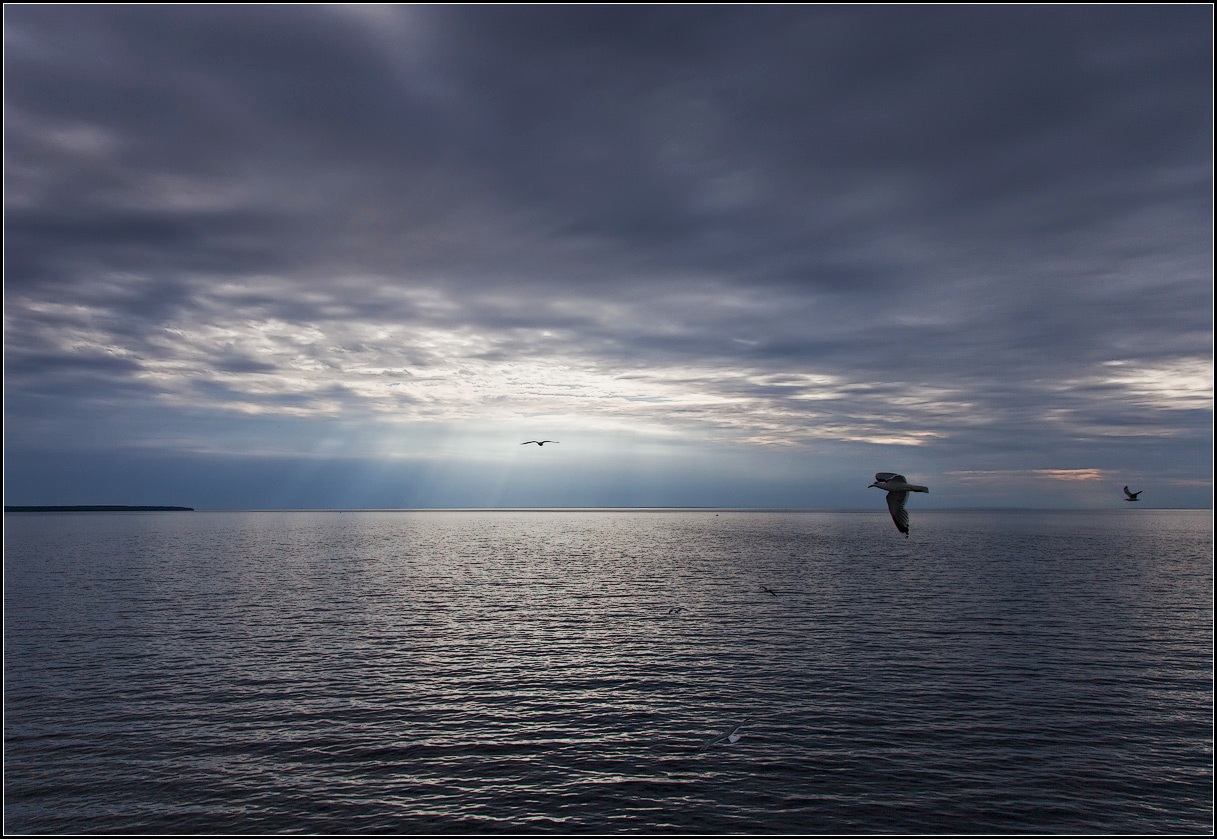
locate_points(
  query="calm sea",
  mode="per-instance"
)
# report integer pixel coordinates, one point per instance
(567, 671)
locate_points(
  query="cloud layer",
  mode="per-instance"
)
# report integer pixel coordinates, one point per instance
(982, 235)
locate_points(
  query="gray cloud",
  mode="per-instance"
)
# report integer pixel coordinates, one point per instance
(959, 230)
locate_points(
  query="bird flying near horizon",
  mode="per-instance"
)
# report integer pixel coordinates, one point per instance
(898, 489)
(538, 442)
(1132, 496)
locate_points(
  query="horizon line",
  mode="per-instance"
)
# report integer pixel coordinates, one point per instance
(590, 508)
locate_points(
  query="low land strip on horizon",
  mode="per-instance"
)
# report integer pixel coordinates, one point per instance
(96, 508)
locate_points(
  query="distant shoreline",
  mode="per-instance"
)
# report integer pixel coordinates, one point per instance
(96, 508)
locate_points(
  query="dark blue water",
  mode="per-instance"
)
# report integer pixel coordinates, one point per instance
(413, 672)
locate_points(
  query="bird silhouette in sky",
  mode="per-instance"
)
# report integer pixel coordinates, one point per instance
(1132, 496)
(898, 489)
(538, 442)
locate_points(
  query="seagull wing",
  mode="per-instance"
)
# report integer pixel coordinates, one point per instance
(895, 506)
(732, 736)
(1126, 492)
(884, 477)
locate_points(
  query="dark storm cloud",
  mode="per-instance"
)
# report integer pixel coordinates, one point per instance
(980, 215)
(915, 118)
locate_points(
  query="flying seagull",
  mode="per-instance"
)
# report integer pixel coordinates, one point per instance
(771, 591)
(732, 736)
(538, 442)
(1132, 496)
(898, 489)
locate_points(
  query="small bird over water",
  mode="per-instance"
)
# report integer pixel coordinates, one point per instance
(733, 736)
(538, 442)
(898, 489)
(1132, 496)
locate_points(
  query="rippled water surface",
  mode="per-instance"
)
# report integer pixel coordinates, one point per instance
(532, 671)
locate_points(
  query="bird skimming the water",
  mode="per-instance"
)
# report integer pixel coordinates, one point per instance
(538, 442)
(1132, 496)
(732, 736)
(898, 489)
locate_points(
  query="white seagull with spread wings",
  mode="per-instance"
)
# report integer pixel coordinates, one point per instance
(898, 489)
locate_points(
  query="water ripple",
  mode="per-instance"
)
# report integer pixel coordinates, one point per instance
(563, 672)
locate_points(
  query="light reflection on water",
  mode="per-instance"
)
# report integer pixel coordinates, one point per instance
(523, 671)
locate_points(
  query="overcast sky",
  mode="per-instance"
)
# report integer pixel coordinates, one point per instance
(353, 256)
